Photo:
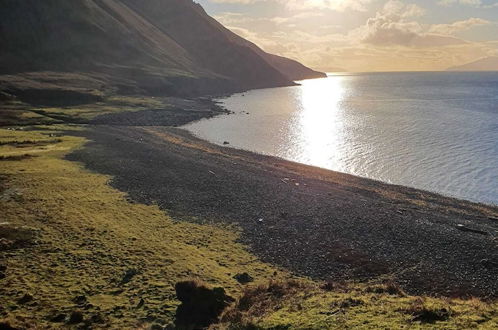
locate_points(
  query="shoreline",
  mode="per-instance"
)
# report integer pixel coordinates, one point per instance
(391, 221)
(148, 207)
(425, 191)
(480, 194)
(442, 195)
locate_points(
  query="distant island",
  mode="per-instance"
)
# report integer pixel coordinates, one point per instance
(483, 64)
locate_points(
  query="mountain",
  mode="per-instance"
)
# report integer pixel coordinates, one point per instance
(483, 64)
(163, 47)
(195, 30)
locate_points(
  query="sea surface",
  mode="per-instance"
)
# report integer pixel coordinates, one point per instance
(433, 131)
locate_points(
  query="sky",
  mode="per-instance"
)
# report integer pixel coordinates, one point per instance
(366, 35)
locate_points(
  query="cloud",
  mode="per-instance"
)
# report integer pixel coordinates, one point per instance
(458, 26)
(236, 1)
(337, 5)
(395, 37)
(475, 3)
(394, 25)
(304, 5)
(472, 3)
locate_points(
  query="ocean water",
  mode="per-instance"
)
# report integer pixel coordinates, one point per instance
(433, 131)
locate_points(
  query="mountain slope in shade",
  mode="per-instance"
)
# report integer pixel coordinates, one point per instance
(291, 68)
(483, 64)
(189, 25)
(155, 46)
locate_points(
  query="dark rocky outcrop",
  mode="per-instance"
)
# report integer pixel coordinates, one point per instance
(243, 278)
(200, 305)
(75, 317)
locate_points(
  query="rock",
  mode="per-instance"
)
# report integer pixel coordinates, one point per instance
(88, 306)
(97, 318)
(243, 278)
(329, 286)
(489, 264)
(128, 275)
(200, 306)
(80, 300)
(226, 143)
(476, 231)
(57, 318)
(75, 317)
(432, 316)
(25, 299)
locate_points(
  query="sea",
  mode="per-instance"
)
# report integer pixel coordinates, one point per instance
(436, 131)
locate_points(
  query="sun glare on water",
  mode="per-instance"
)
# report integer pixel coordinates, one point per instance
(319, 124)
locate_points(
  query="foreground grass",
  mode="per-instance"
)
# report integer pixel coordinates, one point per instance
(305, 305)
(117, 262)
(90, 236)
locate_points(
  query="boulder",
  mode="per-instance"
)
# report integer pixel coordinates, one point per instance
(26, 298)
(75, 317)
(243, 278)
(200, 306)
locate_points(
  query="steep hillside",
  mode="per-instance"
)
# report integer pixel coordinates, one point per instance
(163, 47)
(190, 26)
(483, 64)
(291, 68)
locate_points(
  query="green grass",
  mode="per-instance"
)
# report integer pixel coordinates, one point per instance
(18, 113)
(306, 305)
(90, 234)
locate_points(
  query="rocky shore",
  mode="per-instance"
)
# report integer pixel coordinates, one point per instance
(315, 222)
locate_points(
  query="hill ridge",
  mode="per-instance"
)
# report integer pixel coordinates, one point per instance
(158, 47)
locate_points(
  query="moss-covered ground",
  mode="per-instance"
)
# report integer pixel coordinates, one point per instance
(19, 113)
(91, 236)
(117, 262)
(306, 305)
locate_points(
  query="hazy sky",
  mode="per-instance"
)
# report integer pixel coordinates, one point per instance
(366, 35)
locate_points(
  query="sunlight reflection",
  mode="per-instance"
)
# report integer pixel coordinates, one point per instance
(320, 122)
